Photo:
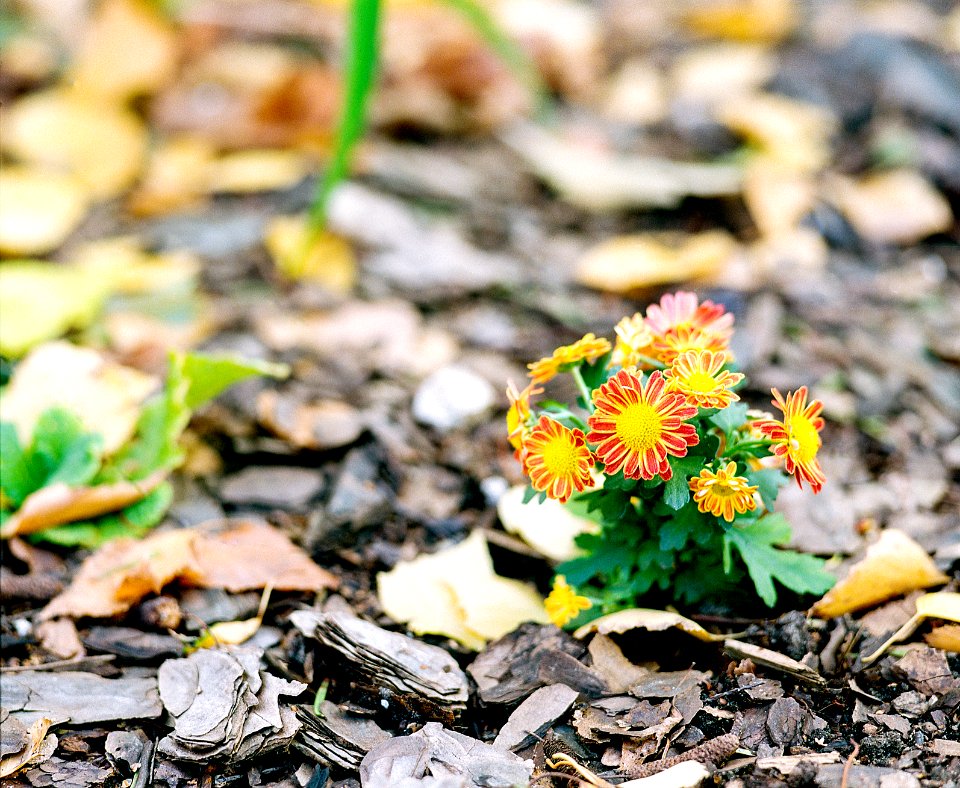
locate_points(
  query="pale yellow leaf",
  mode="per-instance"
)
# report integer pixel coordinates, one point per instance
(256, 171)
(455, 592)
(233, 633)
(326, 258)
(647, 619)
(942, 604)
(105, 396)
(101, 145)
(122, 262)
(549, 526)
(129, 49)
(176, 177)
(893, 565)
(40, 209)
(946, 637)
(634, 262)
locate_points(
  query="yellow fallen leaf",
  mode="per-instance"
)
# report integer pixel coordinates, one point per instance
(893, 565)
(130, 270)
(633, 262)
(233, 633)
(946, 637)
(896, 207)
(41, 301)
(549, 527)
(257, 171)
(128, 49)
(106, 397)
(943, 604)
(101, 145)
(645, 618)
(742, 20)
(39, 747)
(778, 198)
(175, 177)
(40, 209)
(327, 259)
(455, 592)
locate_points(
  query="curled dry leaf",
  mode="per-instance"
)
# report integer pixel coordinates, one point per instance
(645, 618)
(233, 633)
(36, 749)
(895, 564)
(943, 604)
(106, 397)
(40, 209)
(326, 259)
(102, 146)
(455, 592)
(634, 262)
(547, 526)
(58, 504)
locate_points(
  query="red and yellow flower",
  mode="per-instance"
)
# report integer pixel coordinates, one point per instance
(700, 377)
(518, 413)
(681, 310)
(589, 348)
(636, 426)
(556, 459)
(668, 347)
(796, 439)
(564, 604)
(633, 337)
(723, 494)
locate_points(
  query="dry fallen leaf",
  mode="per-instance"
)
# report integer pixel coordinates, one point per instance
(106, 397)
(712, 73)
(38, 747)
(896, 207)
(633, 262)
(742, 20)
(893, 565)
(104, 68)
(645, 618)
(455, 592)
(946, 637)
(233, 633)
(122, 262)
(40, 209)
(777, 198)
(175, 177)
(549, 527)
(326, 259)
(943, 604)
(257, 171)
(58, 504)
(102, 146)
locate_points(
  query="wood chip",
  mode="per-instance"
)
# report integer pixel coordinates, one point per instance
(773, 659)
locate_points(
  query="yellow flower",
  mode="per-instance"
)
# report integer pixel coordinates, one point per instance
(563, 604)
(589, 348)
(796, 439)
(636, 426)
(699, 376)
(723, 494)
(556, 459)
(519, 412)
(633, 337)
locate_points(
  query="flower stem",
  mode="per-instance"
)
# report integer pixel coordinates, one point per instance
(647, 361)
(736, 448)
(582, 387)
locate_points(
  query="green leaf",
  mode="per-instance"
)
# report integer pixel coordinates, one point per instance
(676, 490)
(768, 481)
(708, 446)
(765, 562)
(208, 375)
(17, 477)
(595, 374)
(731, 417)
(679, 529)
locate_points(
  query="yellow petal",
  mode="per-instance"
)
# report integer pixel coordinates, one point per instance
(40, 209)
(895, 564)
(645, 618)
(103, 146)
(326, 259)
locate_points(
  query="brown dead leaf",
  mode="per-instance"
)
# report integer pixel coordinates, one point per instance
(40, 209)
(634, 262)
(778, 198)
(102, 146)
(645, 618)
(326, 259)
(254, 555)
(37, 748)
(127, 50)
(893, 565)
(106, 397)
(122, 572)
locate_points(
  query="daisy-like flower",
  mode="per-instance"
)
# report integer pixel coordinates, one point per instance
(589, 348)
(633, 337)
(723, 494)
(680, 310)
(636, 426)
(796, 439)
(556, 459)
(668, 347)
(564, 604)
(518, 414)
(700, 377)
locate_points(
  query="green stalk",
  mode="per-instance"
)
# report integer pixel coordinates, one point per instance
(582, 387)
(361, 66)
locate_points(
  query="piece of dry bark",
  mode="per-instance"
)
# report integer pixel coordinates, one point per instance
(532, 717)
(773, 659)
(337, 736)
(714, 751)
(78, 698)
(69, 774)
(425, 677)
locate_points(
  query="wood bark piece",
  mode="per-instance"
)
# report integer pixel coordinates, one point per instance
(532, 717)
(336, 736)
(78, 698)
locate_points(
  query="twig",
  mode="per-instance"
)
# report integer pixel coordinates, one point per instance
(848, 764)
(713, 751)
(61, 663)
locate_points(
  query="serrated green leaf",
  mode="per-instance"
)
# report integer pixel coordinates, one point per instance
(676, 490)
(765, 562)
(731, 417)
(678, 530)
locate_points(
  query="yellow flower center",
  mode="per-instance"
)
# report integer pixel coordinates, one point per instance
(700, 382)
(639, 427)
(722, 490)
(560, 456)
(804, 438)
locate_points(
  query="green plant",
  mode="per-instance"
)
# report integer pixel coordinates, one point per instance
(679, 476)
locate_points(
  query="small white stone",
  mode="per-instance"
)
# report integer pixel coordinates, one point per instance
(452, 397)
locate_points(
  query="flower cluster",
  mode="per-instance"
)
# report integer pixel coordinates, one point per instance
(663, 453)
